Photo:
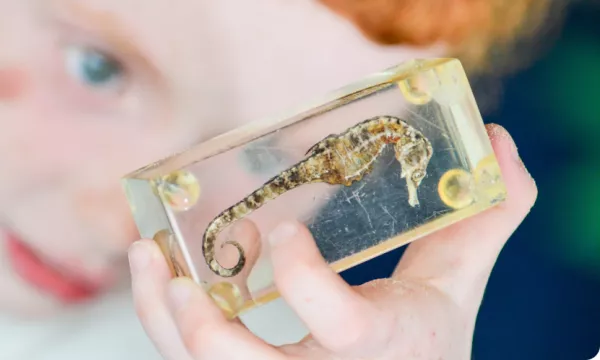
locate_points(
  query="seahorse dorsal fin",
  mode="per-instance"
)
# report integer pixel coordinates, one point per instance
(312, 149)
(318, 144)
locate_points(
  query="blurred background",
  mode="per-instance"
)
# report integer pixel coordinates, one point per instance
(543, 298)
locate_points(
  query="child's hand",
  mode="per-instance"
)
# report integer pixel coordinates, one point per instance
(426, 311)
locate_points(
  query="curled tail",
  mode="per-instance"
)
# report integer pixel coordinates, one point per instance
(285, 181)
(208, 247)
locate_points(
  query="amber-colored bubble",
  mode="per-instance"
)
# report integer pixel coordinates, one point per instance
(180, 190)
(488, 179)
(418, 89)
(228, 297)
(456, 188)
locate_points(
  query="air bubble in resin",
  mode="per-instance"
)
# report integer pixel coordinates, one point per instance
(180, 190)
(418, 89)
(228, 297)
(456, 188)
(488, 177)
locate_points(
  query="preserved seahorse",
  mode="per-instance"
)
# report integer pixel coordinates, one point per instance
(341, 159)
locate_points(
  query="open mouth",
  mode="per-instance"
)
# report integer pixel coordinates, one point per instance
(45, 277)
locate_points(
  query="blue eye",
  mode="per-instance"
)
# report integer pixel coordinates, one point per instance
(92, 67)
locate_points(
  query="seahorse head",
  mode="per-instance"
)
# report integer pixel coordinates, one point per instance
(414, 158)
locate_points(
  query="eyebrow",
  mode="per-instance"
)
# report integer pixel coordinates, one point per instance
(103, 24)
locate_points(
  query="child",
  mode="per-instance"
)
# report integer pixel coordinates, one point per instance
(92, 89)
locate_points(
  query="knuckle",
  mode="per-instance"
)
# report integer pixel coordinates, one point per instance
(354, 335)
(368, 330)
(153, 318)
(351, 339)
(200, 341)
(192, 341)
(146, 312)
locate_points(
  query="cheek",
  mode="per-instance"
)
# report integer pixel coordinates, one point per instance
(13, 84)
(107, 213)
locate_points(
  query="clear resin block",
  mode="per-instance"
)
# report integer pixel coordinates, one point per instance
(368, 168)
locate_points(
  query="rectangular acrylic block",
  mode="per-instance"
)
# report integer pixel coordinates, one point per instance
(368, 168)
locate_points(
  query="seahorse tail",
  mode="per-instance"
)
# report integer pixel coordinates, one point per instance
(209, 255)
(287, 180)
(233, 271)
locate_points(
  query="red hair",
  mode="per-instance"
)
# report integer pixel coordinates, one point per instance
(474, 29)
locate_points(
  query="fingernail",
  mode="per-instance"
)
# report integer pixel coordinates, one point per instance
(139, 256)
(179, 292)
(283, 232)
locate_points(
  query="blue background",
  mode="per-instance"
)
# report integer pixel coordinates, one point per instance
(543, 298)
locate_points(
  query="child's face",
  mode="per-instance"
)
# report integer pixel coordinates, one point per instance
(92, 89)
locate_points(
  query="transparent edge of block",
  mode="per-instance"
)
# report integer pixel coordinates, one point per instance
(419, 81)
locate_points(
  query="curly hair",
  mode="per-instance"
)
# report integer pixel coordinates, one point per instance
(478, 32)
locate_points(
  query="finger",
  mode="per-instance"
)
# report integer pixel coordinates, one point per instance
(459, 258)
(247, 235)
(150, 274)
(205, 331)
(336, 315)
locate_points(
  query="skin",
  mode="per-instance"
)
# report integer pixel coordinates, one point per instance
(426, 310)
(65, 139)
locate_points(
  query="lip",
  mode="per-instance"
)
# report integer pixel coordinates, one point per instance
(45, 277)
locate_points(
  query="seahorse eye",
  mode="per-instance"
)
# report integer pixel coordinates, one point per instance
(418, 175)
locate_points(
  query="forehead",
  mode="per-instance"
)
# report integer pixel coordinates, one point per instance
(175, 33)
(161, 29)
(136, 14)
